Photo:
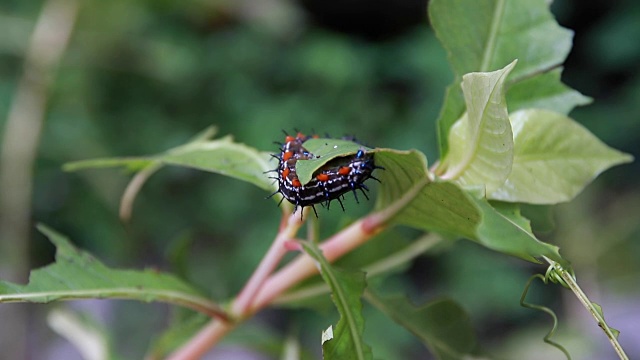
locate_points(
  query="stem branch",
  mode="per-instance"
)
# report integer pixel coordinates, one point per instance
(573, 285)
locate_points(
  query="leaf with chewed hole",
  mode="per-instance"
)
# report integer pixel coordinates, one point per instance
(324, 151)
(78, 275)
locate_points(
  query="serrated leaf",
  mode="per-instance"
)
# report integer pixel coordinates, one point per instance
(554, 159)
(221, 156)
(444, 207)
(442, 325)
(489, 34)
(78, 275)
(346, 289)
(481, 142)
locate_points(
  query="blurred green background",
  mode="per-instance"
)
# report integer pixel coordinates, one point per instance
(139, 77)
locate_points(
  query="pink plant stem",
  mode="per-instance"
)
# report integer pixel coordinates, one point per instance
(262, 289)
(303, 266)
(203, 341)
(267, 265)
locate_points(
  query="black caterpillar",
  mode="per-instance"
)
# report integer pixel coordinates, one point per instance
(330, 182)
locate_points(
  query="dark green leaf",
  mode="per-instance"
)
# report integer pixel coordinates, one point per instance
(346, 289)
(442, 325)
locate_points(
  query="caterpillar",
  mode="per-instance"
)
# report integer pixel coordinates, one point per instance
(330, 182)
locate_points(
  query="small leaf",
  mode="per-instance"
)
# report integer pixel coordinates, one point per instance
(501, 30)
(554, 159)
(481, 142)
(78, 275)
(442, 325)
(346, 289)
(598, 308)
(325, 150)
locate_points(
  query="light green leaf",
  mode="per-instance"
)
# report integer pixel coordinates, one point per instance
(544, 91)
(78, 275)
(554, 158)
(222, 156)
(484, 35)
(346, 289)
(442, 325)
(481, 142)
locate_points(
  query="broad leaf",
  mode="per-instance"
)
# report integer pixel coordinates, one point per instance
(545, 91)
(78, 275)
(346, 289)
(222, 156)
(507, 231)
(444, 207)
(442, 325)
(500, 31)
(481, 142)
(554, 159)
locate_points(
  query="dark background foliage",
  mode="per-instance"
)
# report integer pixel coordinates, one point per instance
(142, 76)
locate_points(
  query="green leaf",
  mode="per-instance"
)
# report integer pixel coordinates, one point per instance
(554, 159)
(489, 34)
(444, 207)
(545, 91)
(325, 150)
(222, 156)
(598, 308)
(481, 142)
(503, 229)
(437, 206)
(78, 275)
(346, 289)
(442, 325)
